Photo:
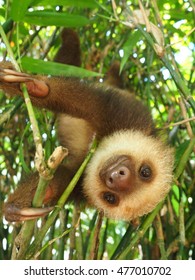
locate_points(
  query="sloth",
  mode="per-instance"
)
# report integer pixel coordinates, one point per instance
(131, 170)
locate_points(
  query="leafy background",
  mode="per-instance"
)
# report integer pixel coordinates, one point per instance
(163, 80)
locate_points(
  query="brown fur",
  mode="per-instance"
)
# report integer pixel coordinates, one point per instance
(116, 117)
(69, 51)
(74, 134)
(113, 76)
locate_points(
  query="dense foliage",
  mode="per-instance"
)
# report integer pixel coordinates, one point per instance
(158, 67)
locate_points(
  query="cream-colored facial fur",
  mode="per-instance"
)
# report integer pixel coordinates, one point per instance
(145, 195)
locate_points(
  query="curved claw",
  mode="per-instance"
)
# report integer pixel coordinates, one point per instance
(12, 76)
(37, 88)
(13, 72)
(14, 214)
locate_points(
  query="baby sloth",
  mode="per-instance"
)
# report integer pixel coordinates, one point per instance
(131, 170)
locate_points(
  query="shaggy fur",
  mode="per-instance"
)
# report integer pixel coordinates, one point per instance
(123, 126)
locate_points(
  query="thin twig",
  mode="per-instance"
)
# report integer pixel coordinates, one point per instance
(180, 122)
(160, 237)
(96, 238)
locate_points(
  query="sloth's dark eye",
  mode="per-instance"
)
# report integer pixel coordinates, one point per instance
(111, 198)
(145, 172)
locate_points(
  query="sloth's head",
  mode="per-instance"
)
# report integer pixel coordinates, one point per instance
(129, 175)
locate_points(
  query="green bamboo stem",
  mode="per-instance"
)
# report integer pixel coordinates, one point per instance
(39, 157)
(140, 232)
(160, 237)
(22, 240)
(182, 237)
(93, 255)
(63, 216)
(24, 237)
(184, 158)
(40, 235)
(86, 245)
(174, 243)
(123, 243)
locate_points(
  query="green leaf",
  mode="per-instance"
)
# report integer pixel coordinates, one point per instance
(72, 3)
(184, 157)
(18, 9)
(49, 18)
(180, 151)
(2, 12)
(54, 68)
(128, 47)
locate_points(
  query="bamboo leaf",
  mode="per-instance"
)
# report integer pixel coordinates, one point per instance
(53, 68)
(18, 9)
(76, 3)
(128, 47)
(49, 18)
